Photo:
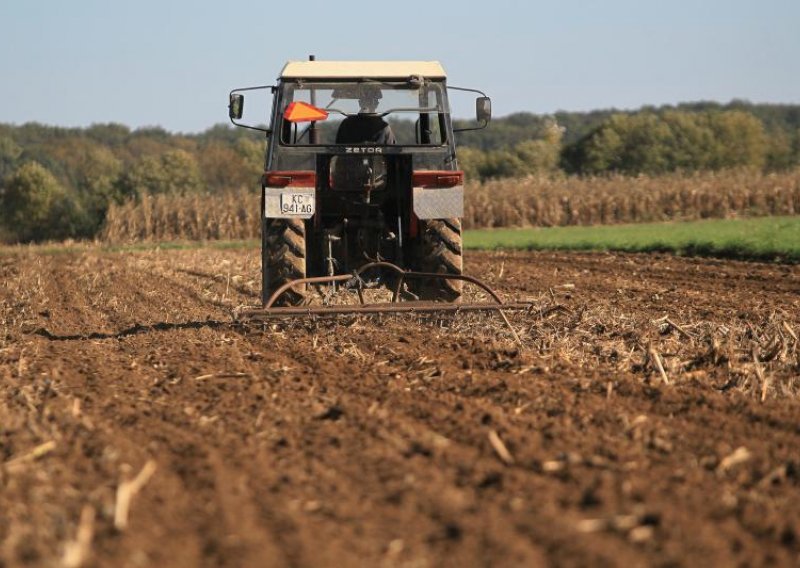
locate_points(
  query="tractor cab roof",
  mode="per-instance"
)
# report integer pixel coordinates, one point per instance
(362, 69)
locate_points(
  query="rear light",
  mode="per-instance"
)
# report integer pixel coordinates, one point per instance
(437, 179)
(299, 178)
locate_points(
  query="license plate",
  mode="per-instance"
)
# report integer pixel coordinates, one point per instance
(297, 203)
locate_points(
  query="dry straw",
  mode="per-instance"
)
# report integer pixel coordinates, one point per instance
(545, 201)
(560, 201)
(230, 215)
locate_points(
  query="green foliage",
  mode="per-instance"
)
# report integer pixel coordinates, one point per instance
(674, 140)
(783, 150)
(175, 172)
(510, 130)
(111, 135)
(251, 151)
(470, 160)
(28, 196)
(107, 163)
(97, 174)
(739, 140)
(228, 166)
(504, 132)
(529, 157)
(542, 155)
(10, 153)
(34, 206)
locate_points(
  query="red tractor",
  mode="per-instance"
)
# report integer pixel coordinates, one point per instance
(361, 174)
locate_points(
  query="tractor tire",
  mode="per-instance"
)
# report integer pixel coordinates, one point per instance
(439, 249)
(284, 258)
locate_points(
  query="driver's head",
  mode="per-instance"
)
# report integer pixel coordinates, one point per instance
(368, 99)
(368, 105)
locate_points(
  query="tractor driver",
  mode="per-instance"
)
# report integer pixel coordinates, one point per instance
(366, 127)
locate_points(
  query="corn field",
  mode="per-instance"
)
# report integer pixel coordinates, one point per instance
(533, 201)
(230, 215)
(561, 201)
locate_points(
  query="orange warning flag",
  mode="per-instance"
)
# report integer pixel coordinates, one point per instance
(303, 112)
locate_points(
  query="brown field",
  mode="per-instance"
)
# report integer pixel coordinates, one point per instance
(652, 418)
(536, 201)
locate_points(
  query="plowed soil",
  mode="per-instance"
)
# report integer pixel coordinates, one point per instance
(399, 440)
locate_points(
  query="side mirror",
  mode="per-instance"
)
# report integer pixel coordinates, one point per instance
(483, 109)
(236, 106)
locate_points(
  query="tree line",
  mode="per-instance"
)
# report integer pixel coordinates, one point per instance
(58, 183)
(688, 137)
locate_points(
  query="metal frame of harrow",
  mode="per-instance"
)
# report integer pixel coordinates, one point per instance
(270, 311)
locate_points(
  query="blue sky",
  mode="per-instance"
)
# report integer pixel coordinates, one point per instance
(172, 63)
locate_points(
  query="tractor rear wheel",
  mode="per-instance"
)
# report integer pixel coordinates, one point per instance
(439, 249)
(284, 258)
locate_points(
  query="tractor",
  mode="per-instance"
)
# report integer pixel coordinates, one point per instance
(361, 176)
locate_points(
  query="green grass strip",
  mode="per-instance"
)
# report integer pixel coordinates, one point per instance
(765, 238)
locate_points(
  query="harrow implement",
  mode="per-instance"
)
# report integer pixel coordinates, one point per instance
(271, 310)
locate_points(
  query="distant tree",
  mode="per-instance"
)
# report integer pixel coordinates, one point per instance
(673, 140)
(740, 140)
(182, 172)
(781, 151)
(502, 133)
(228, 134)
(10, 153)
(796, 148)
(49, 154)
(252, 152)
(528, 157)
(141, 146)
(542, 155)
(34, 206)
(175, 172)
(470, 161)
(112, 135)
(152, 132)
(185, 143)
(97, 183)
(224, 167)
(502, 163)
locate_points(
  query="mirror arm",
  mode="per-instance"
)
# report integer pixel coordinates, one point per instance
(481, 93)
(272, 88)
(466, 90)
(265, 130)
(481, 127)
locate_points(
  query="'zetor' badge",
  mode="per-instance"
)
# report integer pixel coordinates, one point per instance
(363, 150)
(297, 203)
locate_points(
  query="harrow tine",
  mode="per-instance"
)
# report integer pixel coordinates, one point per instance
(403, 274)
(397, 307)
